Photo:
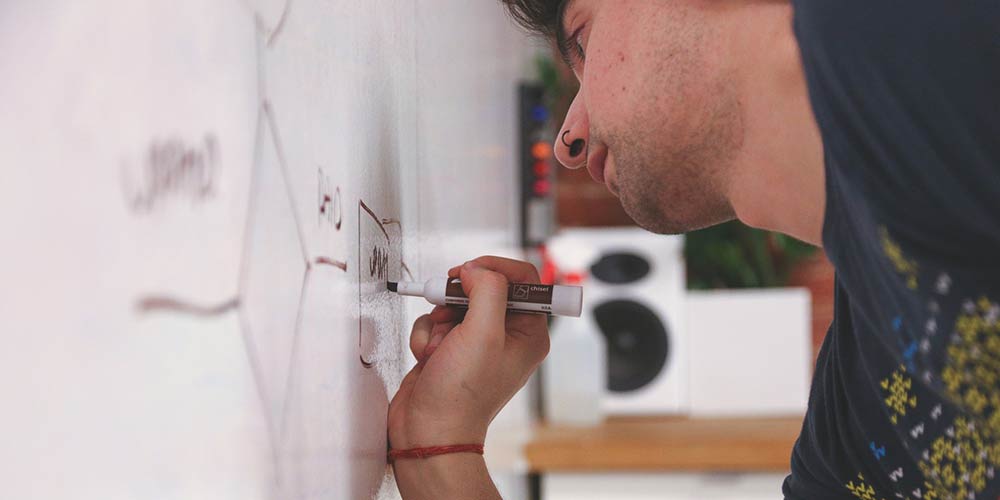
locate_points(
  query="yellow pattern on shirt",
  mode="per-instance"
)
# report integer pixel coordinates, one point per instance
(907, 267)
(862, 490)
(972, 370)
(899, 398)
(959, 462)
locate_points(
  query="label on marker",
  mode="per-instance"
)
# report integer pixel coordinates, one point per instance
(521, 297)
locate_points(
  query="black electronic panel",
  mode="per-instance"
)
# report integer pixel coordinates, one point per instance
(536, 167)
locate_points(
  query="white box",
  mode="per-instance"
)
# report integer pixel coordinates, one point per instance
(751, 351)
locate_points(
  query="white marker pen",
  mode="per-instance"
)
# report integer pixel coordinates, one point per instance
(521, 297)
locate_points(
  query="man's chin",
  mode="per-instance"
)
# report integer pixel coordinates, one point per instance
(650, 218)
(662, 220)
(659, 228)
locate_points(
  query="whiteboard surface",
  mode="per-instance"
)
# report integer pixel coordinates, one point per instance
(202, 201)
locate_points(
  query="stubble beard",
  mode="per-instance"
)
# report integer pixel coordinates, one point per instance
(678, 185)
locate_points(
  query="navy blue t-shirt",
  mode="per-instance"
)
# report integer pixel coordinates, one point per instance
(905, 401)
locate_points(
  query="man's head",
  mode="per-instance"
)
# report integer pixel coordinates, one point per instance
(658, 116)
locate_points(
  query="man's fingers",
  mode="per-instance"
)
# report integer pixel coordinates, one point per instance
(487, 292)
(527, 340)
(438, 333)
(526, 348)
(445, 314)
(420, 336)
(516, 271)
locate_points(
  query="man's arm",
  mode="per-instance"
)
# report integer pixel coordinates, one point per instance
(468, 366)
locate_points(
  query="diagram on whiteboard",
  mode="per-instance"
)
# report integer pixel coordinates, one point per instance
(280, 259)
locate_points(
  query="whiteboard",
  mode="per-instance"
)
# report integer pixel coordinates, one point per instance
(202, 201)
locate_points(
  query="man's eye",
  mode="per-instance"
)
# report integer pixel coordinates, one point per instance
(579, 47)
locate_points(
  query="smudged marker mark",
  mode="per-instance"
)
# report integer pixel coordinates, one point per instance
(152, 304)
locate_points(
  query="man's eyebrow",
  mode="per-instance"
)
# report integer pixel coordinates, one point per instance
(562, 38)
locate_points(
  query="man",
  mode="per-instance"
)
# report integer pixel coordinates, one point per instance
(868, 127)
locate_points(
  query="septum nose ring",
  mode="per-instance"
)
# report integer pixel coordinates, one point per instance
(575, 148)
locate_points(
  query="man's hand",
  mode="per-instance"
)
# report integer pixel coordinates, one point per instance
(467, 367)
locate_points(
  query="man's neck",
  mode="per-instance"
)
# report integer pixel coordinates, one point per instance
(778, 181)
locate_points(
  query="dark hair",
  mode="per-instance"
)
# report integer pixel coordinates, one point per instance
(538, 16)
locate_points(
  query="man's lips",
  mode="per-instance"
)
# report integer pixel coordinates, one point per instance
(595, 163)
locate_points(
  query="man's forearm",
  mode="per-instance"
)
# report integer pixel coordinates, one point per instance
(453, 476)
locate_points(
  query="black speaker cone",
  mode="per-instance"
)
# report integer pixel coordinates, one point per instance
(638, 343)
(619, 268)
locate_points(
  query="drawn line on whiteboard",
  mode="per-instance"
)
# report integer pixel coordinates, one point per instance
(154, 303)
(292, 354)
(258, 376)
(378, 221)
(361, 327)
(325, 261)
(280, 24)
(267, 130)
(279, 149)
(397, 223)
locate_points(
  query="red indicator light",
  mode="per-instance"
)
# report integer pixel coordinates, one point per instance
(541, 150)
(542, 187)
(541, 169)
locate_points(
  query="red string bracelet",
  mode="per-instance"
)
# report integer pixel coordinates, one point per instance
(431, 451)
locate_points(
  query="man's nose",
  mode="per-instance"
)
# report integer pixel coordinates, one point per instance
(571, 142)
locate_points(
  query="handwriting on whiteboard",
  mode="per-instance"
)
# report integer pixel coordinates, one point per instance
(331, 210)
(172, 168)
(378, 263)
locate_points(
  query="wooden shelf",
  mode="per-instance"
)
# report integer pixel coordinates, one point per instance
(666, 444)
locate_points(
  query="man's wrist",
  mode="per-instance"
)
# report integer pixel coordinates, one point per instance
(454, 475)
(420, 434)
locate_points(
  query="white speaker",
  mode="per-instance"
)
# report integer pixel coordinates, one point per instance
(634, 289)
